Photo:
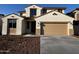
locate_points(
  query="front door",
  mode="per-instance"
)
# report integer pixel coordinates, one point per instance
(30, 27)
(11, 26)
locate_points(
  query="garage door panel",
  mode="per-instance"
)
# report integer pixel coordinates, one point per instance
(54, 28)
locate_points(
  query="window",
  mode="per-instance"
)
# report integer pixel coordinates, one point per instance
(43, 11)
(33, 12)
(12, 23)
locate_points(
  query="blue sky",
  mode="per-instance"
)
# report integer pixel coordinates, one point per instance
(14, 8)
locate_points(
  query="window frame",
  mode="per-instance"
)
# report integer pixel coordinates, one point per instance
(35, 12)
(12, 23)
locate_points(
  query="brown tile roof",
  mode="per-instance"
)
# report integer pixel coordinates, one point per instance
(54, 7)
(44, 14)
(50, 12)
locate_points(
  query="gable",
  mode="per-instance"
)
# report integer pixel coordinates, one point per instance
(34, 6)
(13, 16)
(54, 16)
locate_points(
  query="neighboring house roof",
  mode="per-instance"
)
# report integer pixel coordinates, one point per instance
(43, 14)
(50, 12)
(54, 7)
(71, 14)
(74, 10)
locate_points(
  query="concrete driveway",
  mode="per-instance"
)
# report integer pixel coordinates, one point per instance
(59, 45)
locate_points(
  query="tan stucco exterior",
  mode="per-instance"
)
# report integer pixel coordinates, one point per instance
(55, 18)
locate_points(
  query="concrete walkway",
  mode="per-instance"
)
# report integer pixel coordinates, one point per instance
(59, 45)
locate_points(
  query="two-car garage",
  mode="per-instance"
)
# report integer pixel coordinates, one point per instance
(50, 24)
(54, 28)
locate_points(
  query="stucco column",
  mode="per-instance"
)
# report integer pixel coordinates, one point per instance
(4, 26)
(37, 28)
(19, 27)
(38, 12)
(37, 31)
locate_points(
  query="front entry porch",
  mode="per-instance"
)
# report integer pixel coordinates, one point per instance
(30, 27)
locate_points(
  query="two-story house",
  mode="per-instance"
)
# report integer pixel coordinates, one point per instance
(38, 21)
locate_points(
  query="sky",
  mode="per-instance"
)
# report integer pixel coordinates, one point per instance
(14, 8)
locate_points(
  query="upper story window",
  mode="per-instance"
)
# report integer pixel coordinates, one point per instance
(33, 12)
(43, 11)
